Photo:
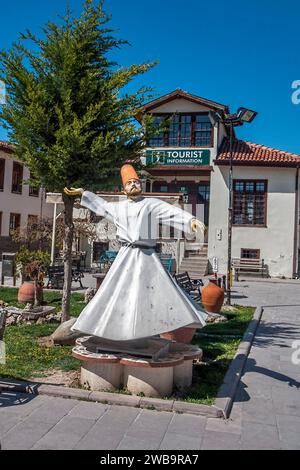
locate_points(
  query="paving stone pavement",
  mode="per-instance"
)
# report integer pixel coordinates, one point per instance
(265, 415)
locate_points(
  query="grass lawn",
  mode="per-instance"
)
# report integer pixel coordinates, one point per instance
(25, 359)
(219, 343)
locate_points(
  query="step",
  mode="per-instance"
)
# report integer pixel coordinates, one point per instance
(201, 270)
(195, 258)
(198, 275)
(186, 267)
(205, 250)
(195, 255)
(194, 262)
(195, 246)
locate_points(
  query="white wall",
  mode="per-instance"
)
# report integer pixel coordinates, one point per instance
(276, 241)
(19, 203)
(222, 134)
(180, 106)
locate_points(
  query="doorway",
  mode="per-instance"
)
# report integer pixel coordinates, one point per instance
(204, 198)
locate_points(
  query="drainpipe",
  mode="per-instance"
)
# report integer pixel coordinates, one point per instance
(296, 225)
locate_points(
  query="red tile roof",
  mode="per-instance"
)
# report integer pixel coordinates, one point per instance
(6, 146)
(248, 153)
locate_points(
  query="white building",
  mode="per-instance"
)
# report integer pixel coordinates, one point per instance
(191, 168)
(192, 157)
(19, 203)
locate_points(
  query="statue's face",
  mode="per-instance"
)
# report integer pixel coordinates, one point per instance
(133, 188)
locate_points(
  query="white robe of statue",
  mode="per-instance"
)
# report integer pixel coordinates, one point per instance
(138, 298)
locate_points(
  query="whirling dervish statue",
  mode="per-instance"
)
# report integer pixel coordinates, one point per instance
(138, 297)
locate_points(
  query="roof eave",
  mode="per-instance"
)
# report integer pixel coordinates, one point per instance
(179, 94)
(257, 163)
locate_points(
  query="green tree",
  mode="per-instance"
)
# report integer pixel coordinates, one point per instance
(67, 112)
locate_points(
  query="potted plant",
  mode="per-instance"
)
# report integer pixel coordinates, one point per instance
(31, 266)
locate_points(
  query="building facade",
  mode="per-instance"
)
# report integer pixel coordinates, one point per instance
(20, 204)
(189, 161)
(191, 156)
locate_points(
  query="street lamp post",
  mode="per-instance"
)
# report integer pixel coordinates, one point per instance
(230, 215)
(230, 121)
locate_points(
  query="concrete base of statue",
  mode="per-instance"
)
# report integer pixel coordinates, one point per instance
(103, 371)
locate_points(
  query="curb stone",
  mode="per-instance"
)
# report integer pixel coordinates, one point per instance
(111, 398)
(226, 394)
(220, 409)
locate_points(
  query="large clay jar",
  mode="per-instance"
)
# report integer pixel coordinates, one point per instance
(212, 297)
(181, 335)
(26, 293)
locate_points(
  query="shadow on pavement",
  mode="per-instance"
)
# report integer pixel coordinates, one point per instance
(8, 399)
(242, 394)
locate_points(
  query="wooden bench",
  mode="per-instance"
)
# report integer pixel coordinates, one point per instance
(56, 276)
(248, 265)
(191, 287)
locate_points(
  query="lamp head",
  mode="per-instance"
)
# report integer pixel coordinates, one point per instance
(246, 115)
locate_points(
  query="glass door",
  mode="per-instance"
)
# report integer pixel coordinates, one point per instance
(203, 198)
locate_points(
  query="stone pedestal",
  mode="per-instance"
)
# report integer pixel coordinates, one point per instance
(141, 376)
(150, 378)
(31, 314)
(183, 374)
(101, 376)
(99, 279)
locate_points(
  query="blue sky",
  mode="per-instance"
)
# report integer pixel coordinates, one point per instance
(236, 52)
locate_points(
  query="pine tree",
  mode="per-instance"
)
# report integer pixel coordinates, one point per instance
(67, 113)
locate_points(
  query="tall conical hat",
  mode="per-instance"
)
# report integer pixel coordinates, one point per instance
(128, 173)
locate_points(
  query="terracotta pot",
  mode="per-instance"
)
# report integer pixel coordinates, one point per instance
(181, 335)
(26, 292)
(212, 297)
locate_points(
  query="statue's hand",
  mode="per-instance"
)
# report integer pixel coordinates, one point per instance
(73, 191)
(196, 224)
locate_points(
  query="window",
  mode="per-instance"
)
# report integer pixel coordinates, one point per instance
(202, 132)
(203, 198)
(157, 140)
(250, 253)
(32, 220)
(183, 130)
(14, 222)
(249, 202)
(2, 172)
(34, 191)
(17, 178)
(204, 193)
